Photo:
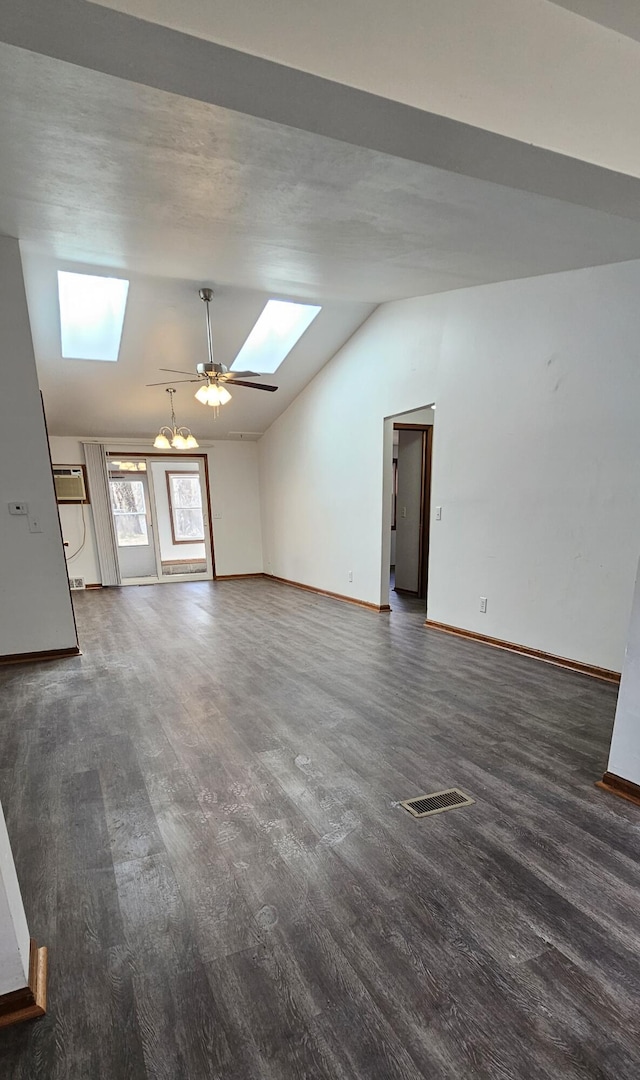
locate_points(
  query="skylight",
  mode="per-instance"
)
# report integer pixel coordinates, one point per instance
(91, 315)
(280, 325)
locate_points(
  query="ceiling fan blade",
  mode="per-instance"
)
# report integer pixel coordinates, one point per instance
(176, 372)
(254, 385)
(242, 374)
(176, 381)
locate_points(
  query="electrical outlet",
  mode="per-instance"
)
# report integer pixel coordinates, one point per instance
(403, 512)
(438, 513)
(351, 575)
(34, 523)
(483, 604)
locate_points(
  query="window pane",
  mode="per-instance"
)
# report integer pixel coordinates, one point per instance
(131, 529)
(185, 491)
(189, 524)
(127, 496)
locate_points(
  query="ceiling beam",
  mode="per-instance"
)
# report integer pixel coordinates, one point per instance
(116, 44)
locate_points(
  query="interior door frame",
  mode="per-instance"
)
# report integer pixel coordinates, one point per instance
(425, 507)
(206, 506)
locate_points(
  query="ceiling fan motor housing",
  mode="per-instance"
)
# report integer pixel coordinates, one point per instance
(211, 369)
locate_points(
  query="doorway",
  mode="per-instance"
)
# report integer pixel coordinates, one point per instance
(160, 509)
(410, 512)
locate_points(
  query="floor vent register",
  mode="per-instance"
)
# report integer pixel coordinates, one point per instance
(437, 802)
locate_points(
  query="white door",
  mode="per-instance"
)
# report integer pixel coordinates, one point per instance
(130, 505)
(408, 510)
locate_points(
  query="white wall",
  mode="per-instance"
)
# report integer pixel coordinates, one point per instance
(235, 497)
(624, 755)
(235, 505)
(14, 933)
(35, 606)
(536, 455)
(66, 451)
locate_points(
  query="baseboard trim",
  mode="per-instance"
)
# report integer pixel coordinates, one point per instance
(30, 1002)
(331, 595)
(33, 657)
(94, 585)
(237, 577)
(523, 650)
(617, 785)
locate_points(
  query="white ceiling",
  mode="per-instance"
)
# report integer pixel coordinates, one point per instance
(622, 16)
(100, 170)
(525, 69)
(97, 172)
(165, 328)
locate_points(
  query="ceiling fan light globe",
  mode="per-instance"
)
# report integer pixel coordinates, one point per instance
(162, 442)
(209, 394)
(179, 442)
(223, 395)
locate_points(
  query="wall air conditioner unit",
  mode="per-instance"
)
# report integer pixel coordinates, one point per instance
(70, 483)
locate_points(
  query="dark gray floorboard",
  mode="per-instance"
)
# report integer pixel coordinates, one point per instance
(207, 831)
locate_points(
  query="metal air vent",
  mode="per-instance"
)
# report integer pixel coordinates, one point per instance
(437, 802)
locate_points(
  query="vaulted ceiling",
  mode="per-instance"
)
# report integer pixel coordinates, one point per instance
(109, 174)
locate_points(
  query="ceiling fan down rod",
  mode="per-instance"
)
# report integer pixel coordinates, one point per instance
(207, 296)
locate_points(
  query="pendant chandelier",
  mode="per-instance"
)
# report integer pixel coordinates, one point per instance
(180, 438)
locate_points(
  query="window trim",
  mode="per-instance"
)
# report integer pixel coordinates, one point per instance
(181, 474)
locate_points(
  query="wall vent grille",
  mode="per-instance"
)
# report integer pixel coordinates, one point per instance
(77, 582)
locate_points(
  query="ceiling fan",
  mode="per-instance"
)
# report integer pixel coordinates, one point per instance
(214, 376)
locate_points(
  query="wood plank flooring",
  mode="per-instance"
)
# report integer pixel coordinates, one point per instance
(203, 811)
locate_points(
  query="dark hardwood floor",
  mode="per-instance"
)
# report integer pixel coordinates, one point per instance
(203, 811)
(402, 602)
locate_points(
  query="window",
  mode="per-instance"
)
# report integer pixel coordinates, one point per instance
(129, 512)
(281, 324)
(91, 315)
(127, 466)
(185, 506)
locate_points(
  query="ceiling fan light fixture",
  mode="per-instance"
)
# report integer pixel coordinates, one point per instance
(213, 394)
(202, 394)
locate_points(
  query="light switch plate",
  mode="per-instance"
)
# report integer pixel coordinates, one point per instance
(18, 508)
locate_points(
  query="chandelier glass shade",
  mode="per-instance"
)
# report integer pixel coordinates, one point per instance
(180, 438)
(213, 394)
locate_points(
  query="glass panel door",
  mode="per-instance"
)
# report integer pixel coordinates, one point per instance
(130, 505)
